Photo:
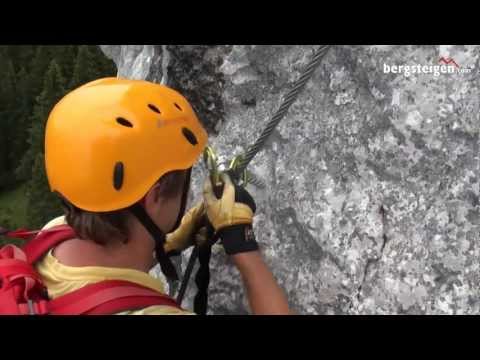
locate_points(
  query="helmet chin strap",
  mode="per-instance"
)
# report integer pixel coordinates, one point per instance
(158, 235)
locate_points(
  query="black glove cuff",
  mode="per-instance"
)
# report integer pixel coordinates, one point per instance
(238, 238)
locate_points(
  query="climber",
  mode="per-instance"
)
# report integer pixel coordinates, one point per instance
(119, 154)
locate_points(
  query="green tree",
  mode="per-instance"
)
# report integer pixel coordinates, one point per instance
(42, 204)
(21, 55)
(5, 222)
(7, 86)
(53, 90)
(38, 67)
(65, 57)
(83, 70)
(7, 114)
(22, 114)
(103, 65)
(91, 64)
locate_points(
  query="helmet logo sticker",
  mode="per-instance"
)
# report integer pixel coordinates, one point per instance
(118, 175)
(190, 136)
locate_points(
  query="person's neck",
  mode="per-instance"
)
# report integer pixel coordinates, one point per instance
(79, 252)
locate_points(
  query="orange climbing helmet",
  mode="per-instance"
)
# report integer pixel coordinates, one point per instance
(109, 141)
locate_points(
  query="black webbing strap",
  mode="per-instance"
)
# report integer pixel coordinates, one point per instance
(138, 210)
(202, 278)
(187, 274)
(165, 263)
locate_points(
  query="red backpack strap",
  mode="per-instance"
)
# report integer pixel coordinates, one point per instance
(46, 240)
(108, 297)
(19, 233)
(20, 285)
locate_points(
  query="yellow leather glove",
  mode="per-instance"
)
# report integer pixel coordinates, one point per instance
(231, 216)
(225, 211)
(180, 239)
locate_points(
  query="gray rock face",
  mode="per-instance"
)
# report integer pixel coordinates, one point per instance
(372, 198)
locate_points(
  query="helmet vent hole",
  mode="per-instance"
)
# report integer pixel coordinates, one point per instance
(178, 106)
(190, 136)
(118, 175)
(124, 122)
(154, 108)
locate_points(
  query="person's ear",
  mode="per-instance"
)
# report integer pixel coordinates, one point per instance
(152, 198)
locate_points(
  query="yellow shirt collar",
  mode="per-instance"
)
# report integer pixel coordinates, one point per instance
(61, 279)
